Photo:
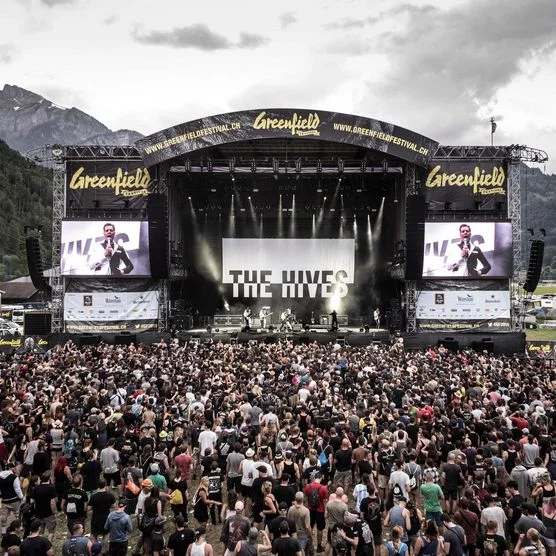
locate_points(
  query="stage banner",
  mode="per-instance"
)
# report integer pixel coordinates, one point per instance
(471, 250)
(540, 350)
(464, 183)
(87, 251)
(100, 312)
(463, 310)
(288, 268)
(285, 123)
(107, 184)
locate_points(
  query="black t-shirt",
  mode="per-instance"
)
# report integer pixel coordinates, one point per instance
(10, 539)
(90, 471)
(43, 494)
(284, 494)
(35, 546)
(285, 546)
(274, 526)
(76, 499)
(343, 460)
(101, 502)
(180, 541)
(41, 463)
(452, 472)
(498, 540)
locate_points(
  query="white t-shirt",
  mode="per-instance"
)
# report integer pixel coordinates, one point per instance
(400, 478)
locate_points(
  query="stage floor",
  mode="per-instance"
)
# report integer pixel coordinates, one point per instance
(345, 335)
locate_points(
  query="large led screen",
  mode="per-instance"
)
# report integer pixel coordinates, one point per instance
(116, 248)
(467, 250)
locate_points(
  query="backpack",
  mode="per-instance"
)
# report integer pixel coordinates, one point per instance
(397, 492)
(314, 497)
(323, 457)
(146, 524)
(412, 478)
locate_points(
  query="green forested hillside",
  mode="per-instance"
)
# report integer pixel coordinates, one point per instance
(25, 200)
(538, 192)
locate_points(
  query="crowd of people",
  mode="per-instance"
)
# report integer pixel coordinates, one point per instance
(290, 449)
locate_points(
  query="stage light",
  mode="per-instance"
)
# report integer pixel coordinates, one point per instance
(298, 165)
(209, 165)
(364, 165)
(319, 166)
(385, 165)
(253, 166)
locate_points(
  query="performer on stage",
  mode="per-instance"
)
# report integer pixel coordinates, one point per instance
(286, 319)
(377, 316)
(465, 258)
(109, 257)
(334, 321)
(264, 316)
(247, 318)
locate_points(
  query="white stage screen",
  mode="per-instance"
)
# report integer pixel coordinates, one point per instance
(86, 251)
(486, 251)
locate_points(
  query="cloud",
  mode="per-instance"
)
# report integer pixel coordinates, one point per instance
(197, 36)
(6, 53)
(287, 19)
(446, 64)
(52, 3)
(251, 40)
(351, 23)
(110, 20)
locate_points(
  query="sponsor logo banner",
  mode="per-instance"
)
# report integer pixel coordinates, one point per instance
(108, 183)
(111, 311)
(540, 350)
(459, 310)
(288, 268)
(286, 123)
(464, 182)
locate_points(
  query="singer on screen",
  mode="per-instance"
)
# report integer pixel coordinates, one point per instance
(465, 258)
(111, 258)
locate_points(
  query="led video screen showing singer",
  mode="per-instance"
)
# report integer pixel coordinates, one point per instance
(105, 248)
(467, 250)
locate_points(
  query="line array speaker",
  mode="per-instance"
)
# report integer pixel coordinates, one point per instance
(34, 263)
(158, 234)
(536, 256)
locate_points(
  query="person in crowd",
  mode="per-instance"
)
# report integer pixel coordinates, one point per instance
(78, 544)
(36, 544)
(118, 526)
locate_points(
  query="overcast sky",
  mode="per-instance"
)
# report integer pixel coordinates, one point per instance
(441, 68)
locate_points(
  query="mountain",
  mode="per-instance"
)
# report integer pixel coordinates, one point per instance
(29, 121)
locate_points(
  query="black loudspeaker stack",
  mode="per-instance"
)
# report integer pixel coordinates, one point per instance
(535, 265)
(34, 263)
(158, 234)
(415, 236)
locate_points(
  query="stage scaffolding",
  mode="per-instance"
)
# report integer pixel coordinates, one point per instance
(58, 155)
